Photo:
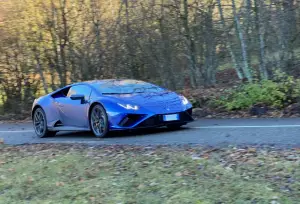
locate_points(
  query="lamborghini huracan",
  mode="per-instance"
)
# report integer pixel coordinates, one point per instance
(101, 106)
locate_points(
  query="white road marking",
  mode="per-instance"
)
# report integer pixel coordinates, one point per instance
(15, 131)
(201, 127)
(247, 126)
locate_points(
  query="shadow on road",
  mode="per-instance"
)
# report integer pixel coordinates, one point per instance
(117, 134)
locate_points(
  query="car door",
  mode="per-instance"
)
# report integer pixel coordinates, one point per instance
(74, 112)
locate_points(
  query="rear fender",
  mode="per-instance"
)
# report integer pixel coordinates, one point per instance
(48, 105)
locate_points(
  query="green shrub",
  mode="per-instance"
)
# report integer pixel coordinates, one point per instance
(283, 90)
(195, 102)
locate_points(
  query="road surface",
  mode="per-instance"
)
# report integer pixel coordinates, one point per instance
(212, 132)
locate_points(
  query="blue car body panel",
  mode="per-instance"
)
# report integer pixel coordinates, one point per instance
(146, 108)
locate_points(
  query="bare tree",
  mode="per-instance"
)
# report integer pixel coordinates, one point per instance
(259, 8)
(228, 43)
(244, 51)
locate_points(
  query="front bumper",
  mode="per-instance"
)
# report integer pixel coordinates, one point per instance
(137, 121)
(157, 120)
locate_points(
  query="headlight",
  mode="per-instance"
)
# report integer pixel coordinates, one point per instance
(184, 100)
(128, 106)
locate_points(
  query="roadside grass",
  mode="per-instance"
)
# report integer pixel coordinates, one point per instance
(126, 174)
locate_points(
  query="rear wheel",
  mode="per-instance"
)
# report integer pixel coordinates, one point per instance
(99, 121)
(40, 124)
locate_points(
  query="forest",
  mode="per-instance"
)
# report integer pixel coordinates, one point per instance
(250, 48)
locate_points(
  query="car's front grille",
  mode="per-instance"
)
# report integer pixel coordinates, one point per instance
(152, 121)
(157, 120)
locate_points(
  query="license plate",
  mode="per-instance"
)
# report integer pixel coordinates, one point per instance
(172, 117)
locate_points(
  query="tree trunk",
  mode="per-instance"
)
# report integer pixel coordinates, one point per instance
(41, 73)
(259, 8)
(248, 29)
(228, 44)
(166, 49)
(245, 68)
(210, 59)
(191, 47)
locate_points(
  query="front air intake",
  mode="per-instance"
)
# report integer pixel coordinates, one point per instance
(130, 119)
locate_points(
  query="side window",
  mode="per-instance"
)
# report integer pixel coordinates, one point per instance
(80, 89)
(61, 94)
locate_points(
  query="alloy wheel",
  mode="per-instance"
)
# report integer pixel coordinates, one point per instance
(39, 122)
(98, 121)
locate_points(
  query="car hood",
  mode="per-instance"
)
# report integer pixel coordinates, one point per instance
(160, 102)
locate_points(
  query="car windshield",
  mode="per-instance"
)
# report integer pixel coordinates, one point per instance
(126, 87)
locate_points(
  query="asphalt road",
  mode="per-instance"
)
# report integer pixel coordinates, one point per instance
(279, 132)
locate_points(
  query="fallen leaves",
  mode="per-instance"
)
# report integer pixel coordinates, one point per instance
(141, 186)
(292, 157)
(23, 116)
(252, 150)
(30, 179)
(195, 157)
(178, 174)
(156, 169)
(146, 163)
(183, 173)
(89, 173)
(12, 170)
(58, 184)
(206, 156)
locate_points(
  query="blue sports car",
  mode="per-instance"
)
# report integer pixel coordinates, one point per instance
(101, 106)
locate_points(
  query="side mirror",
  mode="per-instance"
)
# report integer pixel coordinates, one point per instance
(77, 97)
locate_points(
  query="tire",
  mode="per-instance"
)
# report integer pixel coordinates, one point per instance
(40, 124)
(175, 126)
(98, 121)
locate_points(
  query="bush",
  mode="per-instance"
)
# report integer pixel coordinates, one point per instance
(282, 91)
(195, 103)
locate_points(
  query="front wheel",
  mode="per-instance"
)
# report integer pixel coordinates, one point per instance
(99, 121)
(40, 124)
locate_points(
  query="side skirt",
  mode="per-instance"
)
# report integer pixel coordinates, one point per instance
(149, 127)
(68, 128)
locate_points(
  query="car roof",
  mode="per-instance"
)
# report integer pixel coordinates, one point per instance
(103, 81)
